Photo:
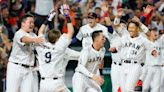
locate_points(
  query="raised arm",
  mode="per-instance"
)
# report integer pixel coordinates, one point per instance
(65, 11)
(44, 25)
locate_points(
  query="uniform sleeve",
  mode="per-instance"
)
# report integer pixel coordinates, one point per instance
(107, 34)
(83, 59)
(148, 45)
(62, 43)
(79, 35)
(19, 36)
(72, 54)
(144, 28)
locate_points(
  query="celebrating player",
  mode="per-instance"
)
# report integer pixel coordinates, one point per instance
(133, 53)
(53, 55)
(153, 64)
(85, 78)
(21, 62)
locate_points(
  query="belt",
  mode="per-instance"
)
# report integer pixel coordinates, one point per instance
(117, 63)
(134, 62)
(43, 78)
(24, 65)
(130, 61)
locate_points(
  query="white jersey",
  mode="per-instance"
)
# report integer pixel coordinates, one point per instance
(21, 52)
(89, 60)
(85, 34)
(51, 58)
(134, 48)
(151, 60)
(114, 43)
(162, 48)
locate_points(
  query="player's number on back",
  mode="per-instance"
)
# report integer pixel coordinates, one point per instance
(48, 57)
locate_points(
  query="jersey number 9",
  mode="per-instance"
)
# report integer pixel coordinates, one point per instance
(48, 57)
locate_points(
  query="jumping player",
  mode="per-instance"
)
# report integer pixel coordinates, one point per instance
(53, 56)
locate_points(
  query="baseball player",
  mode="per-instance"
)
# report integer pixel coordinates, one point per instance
(162, 60)
(153, 65)
(21, 61)
(133, 53)
(85, 31)
(119, 31)
(85, 78)
(53, 56)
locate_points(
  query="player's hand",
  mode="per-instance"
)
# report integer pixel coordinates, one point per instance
(39, 40)
(148, 9)
(98, 79)
(135, 18)
(65, 10)
(51, 14)
(120, 13)
(104, 7)
(113, 49)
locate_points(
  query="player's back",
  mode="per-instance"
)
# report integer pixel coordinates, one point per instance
(50, 56)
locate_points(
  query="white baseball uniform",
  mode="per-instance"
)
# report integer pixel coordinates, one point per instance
(116, 60)
(88, 65)
(53, 59)
(133, 53)
(152, 79)
(116, 63)
(162, 60)
(19, 70)
(85, 32)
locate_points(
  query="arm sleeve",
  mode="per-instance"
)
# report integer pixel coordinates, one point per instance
(62, 43)
(116, 21)
(107, 34)
(79, 35)
(72, 54)
(83, 59)
(19, 36)
(110, 29)
(144, 28)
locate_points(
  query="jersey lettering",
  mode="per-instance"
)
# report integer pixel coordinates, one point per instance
(48, 57)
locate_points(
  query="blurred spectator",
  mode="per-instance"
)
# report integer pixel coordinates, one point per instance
(42, 9)
(8, 22)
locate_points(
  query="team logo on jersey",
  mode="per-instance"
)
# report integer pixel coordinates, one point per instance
(95, 59)
(133, 45)
(86, 35)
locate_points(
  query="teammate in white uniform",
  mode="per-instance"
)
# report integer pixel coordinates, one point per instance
(119, 31)
(162, 60)
(85, 31)
(52, 57)
(133, 53)
(85, 78)
(153, 65)
(21, 62)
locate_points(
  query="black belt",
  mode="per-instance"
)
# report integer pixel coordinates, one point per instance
(134, 62)
(129, 61)
(117, 63)
(43, 78)
(26, 66)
